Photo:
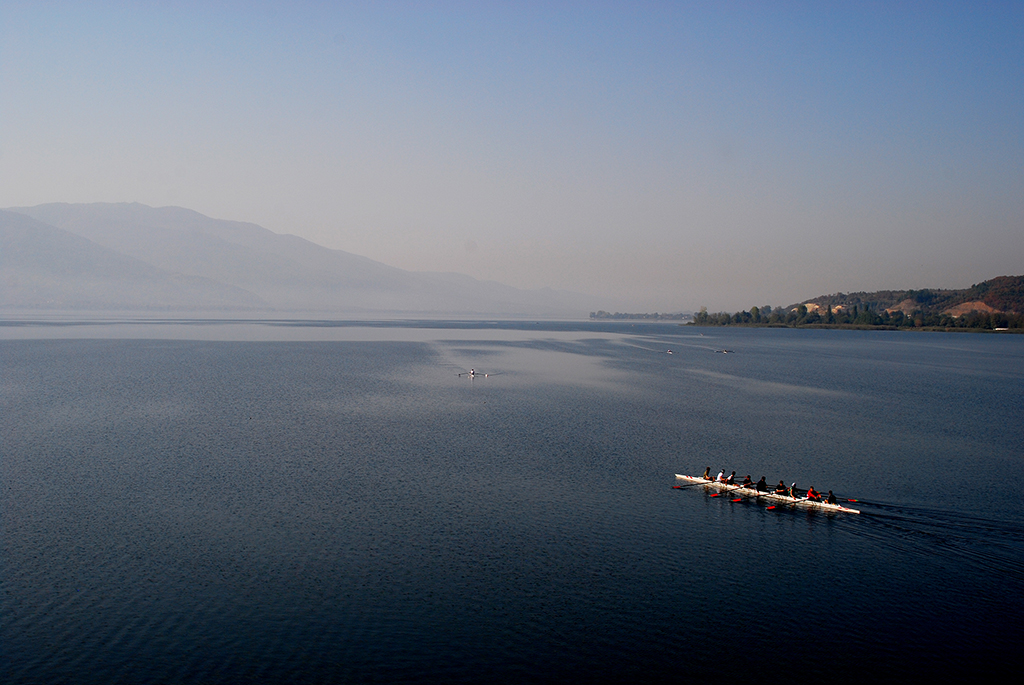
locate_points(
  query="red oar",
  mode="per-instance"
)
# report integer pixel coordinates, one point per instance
(732, 486)
(690, 485)
(748, 486)
(719, 494)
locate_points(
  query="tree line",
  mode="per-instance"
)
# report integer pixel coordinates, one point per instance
(857, 316)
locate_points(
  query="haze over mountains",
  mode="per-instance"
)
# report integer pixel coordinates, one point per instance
(130, 256)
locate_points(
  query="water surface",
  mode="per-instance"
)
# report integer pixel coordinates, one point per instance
(219, 502)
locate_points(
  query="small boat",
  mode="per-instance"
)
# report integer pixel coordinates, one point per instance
(752, 493)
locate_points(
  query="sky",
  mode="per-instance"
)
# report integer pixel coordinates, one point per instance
(665, 156)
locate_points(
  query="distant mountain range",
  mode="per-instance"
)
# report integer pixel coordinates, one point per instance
(133, 257)
(1002, 294)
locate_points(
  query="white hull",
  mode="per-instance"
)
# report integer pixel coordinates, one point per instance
(752, 493)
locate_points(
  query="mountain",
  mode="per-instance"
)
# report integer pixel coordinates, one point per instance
(42, 266)
(1002, 294)
(283, 272)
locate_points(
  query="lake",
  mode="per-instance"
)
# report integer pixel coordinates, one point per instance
(316, 501)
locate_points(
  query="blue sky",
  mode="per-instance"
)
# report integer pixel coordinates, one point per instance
(664, 155)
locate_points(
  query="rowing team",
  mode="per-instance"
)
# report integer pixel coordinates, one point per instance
(762, 486)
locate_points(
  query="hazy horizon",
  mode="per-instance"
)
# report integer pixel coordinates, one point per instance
(667, 156)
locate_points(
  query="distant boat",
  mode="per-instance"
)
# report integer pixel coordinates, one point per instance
(473, 373)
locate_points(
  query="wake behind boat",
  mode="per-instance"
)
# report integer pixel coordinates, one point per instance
(751, 492)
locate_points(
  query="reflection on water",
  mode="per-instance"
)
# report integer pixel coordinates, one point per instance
(765, 387)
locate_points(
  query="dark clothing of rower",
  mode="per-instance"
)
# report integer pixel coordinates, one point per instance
(762, 485)
(731, 480)
(781, 488)
(747, 482)
(792, 491)
(831, 499)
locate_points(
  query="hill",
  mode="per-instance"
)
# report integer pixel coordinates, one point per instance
(251, 267)
(996, 304)
(44, 267)
(1004, 294)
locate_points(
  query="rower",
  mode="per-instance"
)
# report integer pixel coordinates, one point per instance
(721, 476)
(731, 479)
(792, 491)
(813, 495)
(762, 485)
(831, 499)
(747, 482)
(780, 489)
(707, 474)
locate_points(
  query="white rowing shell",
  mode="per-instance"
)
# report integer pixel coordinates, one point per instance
(750, 492)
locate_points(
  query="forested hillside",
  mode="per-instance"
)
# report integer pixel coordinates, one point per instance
(1002, 294)
(994, 304)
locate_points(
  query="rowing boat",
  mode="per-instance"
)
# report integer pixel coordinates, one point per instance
(751, 492)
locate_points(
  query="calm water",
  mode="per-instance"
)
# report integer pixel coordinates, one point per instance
(224, 502)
